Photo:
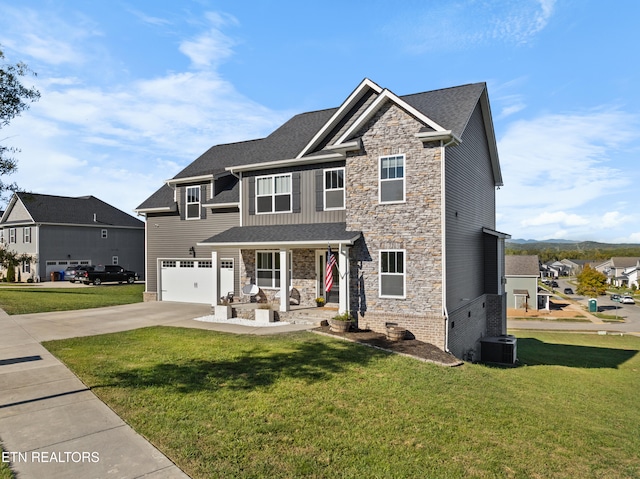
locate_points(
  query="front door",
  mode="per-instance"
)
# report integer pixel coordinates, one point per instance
(332, 296)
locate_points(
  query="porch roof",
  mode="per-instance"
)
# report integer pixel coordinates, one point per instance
(277, 236)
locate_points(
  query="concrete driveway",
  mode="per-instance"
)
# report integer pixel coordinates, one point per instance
(51, 424)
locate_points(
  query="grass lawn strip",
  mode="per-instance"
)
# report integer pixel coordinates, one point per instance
(25, 300)
(305, 405)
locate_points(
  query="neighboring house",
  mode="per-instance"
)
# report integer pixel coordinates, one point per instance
(522, 273)
(633, 276)
(615, 268)
(402, 189)
(575, 266)
(59, 231)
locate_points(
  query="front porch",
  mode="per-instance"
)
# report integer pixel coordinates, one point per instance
(286, 265)
(295, 315)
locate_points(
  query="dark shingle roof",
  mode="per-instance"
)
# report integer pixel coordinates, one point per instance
(317, 232)
(451, 108)
(78, 211)
(521, 265)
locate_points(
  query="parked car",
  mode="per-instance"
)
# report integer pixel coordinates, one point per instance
(554, 284)
(627, 300)
(70, 273)
(615, 297)
(105, 274)
(568, 291)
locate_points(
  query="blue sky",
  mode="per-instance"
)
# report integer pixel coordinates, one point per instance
(134, 91)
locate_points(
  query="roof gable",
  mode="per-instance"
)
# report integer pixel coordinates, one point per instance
(521, 265)
(85, 210)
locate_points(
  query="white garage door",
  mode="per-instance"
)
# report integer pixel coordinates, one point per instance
(186, 281)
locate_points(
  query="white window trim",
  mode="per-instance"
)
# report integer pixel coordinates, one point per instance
(104, 234)
(27, 234)
(273, 195)
(273, 254)
(404, 180)
(403, 274)
(343, 189)
(188, 203)
(12, 235)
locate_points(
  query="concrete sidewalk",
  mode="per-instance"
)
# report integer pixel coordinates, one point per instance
(51, 425)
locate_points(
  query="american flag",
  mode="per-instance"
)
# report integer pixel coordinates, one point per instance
(328, 274)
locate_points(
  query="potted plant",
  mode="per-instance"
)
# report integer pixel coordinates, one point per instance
(264, 313)
(341, 322)
(320, 302)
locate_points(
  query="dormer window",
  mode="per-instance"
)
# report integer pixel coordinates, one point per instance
(193, 203)
(273, 194)
(392, 179)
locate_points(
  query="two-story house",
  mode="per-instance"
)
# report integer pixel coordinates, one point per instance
(401, 189)
(60, 231)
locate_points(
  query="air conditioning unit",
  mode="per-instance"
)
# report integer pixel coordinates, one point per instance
(499, 349)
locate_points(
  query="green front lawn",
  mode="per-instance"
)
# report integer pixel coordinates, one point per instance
(304, 405)
(24, 299)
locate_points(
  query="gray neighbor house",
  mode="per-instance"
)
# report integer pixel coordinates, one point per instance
(60, 231)
(399, 189)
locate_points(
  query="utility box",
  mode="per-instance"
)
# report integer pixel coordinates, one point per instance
(500, 349)
(593, 305)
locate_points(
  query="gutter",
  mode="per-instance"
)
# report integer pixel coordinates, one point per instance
(453, 141)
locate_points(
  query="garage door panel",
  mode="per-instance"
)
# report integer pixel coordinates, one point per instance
(187, 281)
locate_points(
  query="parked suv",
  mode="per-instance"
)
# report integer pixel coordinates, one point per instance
(627, 300)
(615, 297)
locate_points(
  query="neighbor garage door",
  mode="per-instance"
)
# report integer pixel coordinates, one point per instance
(186, 281)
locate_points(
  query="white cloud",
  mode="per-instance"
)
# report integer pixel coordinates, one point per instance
(555, 218)
(469, 23)
(120, 141)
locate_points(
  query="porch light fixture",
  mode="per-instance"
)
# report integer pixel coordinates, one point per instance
(192, 250)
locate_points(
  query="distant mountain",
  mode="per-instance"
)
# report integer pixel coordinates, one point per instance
(529, 241)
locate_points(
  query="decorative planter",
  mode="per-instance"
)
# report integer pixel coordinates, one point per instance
(264, 315)
(396, 333)
(338, 326)
(222, 312)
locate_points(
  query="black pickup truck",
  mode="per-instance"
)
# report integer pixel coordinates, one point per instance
(106, 274)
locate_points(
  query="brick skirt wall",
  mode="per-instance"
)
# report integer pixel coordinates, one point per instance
(424, 328)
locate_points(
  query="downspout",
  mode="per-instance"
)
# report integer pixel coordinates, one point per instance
(445, 311)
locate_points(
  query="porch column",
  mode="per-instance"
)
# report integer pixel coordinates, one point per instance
(343, 269)
(215, 283)
(284, 280)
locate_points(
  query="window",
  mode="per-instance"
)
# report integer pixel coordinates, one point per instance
(193, 203)
(268, 269)
(26, 267)
(103, 234)
(12, 235)
(392, 274)
(392, 184)
(273, 194)
(334, 189)
(114, 260)
(168, 264)
(27, 235)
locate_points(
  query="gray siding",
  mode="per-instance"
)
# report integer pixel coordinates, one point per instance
(470, 206)
(170, 237)
(86, 242)
(307, 213)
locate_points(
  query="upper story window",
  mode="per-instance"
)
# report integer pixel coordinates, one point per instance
(392, 179)
(104, 234)
(334, 189)
(27, 235)
(193, 203)
(273, 194)
(12, 235)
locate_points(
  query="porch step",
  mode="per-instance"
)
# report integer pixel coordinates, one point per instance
(316, 316)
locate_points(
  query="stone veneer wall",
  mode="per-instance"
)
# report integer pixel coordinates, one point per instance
(303, 272)
(414, 226)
